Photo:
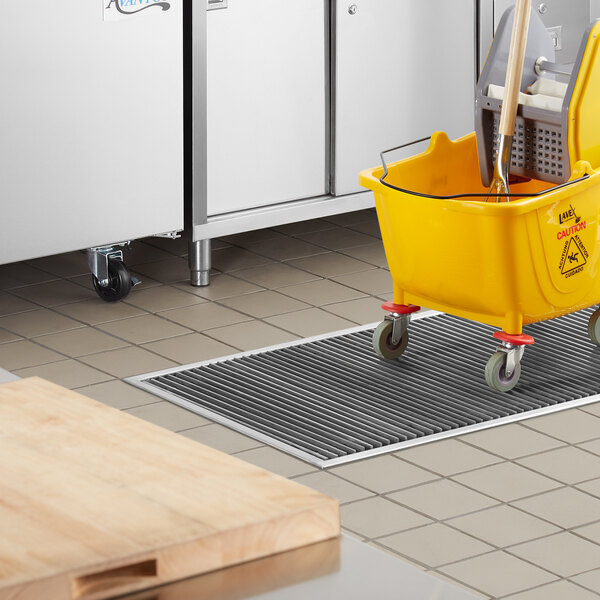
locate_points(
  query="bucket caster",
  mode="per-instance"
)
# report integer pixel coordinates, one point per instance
(594, 327)
(503, 369)
(110, 277)
(390, 337)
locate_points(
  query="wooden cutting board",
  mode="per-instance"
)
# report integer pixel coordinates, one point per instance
(95, 502)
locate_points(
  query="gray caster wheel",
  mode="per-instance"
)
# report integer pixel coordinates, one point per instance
(382, 341)
(594, 327)
(495, 374)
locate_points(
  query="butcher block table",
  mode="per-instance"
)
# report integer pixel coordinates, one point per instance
(96, 503)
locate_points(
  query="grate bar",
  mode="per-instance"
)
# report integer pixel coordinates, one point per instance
(330, 400)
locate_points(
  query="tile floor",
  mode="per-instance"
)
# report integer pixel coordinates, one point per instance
(510, 512)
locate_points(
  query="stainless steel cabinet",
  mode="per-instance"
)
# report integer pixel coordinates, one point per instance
(404, 69)
(91, 125)
(266, 103)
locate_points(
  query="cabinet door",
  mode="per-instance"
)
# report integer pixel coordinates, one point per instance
(404, 69)
(266, 103)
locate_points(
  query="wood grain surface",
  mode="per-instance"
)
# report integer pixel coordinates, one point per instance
(95, 502)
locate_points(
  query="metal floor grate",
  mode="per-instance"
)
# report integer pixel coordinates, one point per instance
(330, 400)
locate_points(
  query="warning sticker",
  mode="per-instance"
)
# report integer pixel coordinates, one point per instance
(573, 258)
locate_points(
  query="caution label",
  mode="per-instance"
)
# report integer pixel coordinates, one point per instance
(573, 257)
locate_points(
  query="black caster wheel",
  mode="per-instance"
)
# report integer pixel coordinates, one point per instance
(495, 373)
(119, 282)
(594, 327)
(382, 341)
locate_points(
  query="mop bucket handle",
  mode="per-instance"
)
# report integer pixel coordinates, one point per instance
(466, 195)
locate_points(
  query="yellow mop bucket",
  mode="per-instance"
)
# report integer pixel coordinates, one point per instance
(504, 264)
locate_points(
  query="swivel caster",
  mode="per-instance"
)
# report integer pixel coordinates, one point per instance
(594, 327)
(503, 369)
(118, 283)
(390, 337)
(110, 277)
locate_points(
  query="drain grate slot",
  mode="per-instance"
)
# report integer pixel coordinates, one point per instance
(330, 399)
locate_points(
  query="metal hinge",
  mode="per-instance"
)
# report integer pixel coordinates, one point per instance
(215, 4)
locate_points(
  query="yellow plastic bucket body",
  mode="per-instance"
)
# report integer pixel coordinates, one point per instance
(505, 264)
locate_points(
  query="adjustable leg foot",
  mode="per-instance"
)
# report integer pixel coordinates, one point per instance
(199, 262)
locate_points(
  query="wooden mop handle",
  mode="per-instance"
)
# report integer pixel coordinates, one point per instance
(514, 71)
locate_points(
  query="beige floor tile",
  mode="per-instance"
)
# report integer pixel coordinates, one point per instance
(376, 517)
(276, 461)
(204, 316)
(459, 584)
(309, 322)
(376, 282)
(563, 553)
(79, 342)
(221, 438)
(503, 526)
(286, 248)
(167, 415)
(11, 304)
(321, 292)
(140, 253)
(68, 373)
(511, 441)
(162, 297)
(96, 311)
(369, 227)
(63, 265)
(442, 499)
(143, 329)
(356, 216)
(569, 464)
(337, 239)
(127, 362)
(177, 246)
(572, 426)
(251, 335)
(383, 474)
(301, 227)
(54, 293)
(373, 254)
(565, 507)
(388, 551)
(191, 348)
(264, 304)
(334, 486)
(233, 258)
(559, 590)
(362, 311)
(7, 336)
(252, 237)
(589, 532)
(37, 322)
(166, 271)
(223, 286)
(448, 457)
(506, 481)
(593, 446)
(330, 264)
(498, 574)
(118, 394)
(21, 354)
(591, 487)
(275, 275)
(15, 275)
(589, 580)
(435, 545)
(593, 408)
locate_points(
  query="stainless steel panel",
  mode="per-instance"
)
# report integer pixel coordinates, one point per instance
(91, 125)
(267, 106)
(573, 16)
(403, 69)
